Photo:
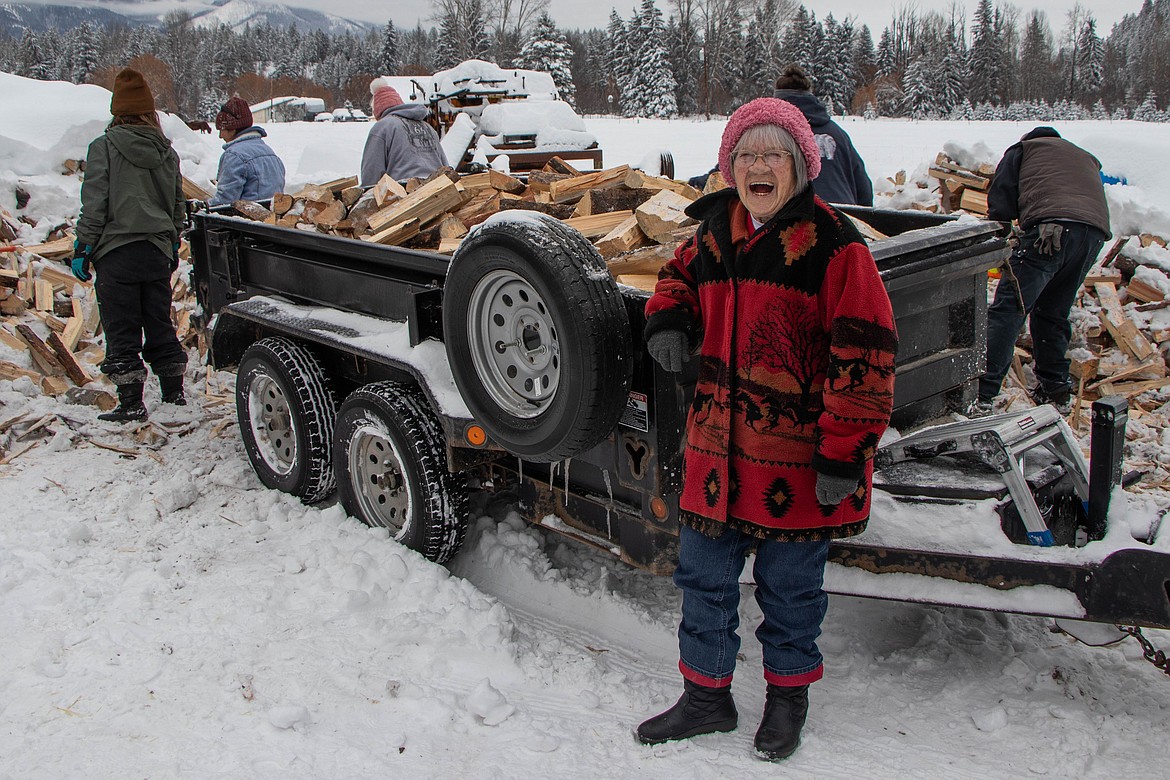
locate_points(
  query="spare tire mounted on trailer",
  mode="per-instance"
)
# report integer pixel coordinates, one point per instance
(537, 336)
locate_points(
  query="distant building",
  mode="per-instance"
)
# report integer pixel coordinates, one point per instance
(287, 109)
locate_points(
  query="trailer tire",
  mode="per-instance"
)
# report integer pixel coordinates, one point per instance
(390, 456)
(286, 407)
(537, 336)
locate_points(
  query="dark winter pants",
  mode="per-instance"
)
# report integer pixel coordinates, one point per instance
(134, 298)
(788, 578)
(1043, 287)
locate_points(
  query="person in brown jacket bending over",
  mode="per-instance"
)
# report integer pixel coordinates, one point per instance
(1053, 188)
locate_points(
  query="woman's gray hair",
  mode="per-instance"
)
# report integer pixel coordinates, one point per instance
(776, 137)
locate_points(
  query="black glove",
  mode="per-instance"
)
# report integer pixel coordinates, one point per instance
(1049, 241)
(833, 490)
(175, 257)
(1013, 238)
(80, 262)
(668, 348)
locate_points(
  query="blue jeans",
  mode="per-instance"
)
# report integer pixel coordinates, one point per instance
(1044, 287)
(788, 589)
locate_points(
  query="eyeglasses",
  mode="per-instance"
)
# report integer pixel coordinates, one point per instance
(773, 158)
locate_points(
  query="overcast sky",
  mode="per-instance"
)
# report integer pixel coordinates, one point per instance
(586, 14)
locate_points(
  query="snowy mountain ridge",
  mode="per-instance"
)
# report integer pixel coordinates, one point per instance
(237, 14)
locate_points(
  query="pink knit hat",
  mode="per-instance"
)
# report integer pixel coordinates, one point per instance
(769, 111)
(385, 96)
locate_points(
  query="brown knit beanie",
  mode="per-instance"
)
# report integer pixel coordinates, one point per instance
(131, 94)
(236, 114)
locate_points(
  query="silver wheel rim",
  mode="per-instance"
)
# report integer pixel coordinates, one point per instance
(273, 428)
(514, 344)
(379, 479)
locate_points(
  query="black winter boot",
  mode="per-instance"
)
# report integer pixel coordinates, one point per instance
(172, 390)
(130, 408)
(701, 710)
(784, 714)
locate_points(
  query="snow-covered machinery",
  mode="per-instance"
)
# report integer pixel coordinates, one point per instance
(483, 111)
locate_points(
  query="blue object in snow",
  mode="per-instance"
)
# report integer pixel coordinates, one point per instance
(1110, 179)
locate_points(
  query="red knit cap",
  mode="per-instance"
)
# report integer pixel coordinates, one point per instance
(385, 96)
(769, 111)
(236, 114)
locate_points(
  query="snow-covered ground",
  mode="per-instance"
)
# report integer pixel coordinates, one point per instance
(163, 615)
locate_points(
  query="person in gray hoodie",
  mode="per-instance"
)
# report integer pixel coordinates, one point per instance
(248, 168)
(400, 143)
(132, 211)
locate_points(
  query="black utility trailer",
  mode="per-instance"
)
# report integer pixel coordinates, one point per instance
(403, 379)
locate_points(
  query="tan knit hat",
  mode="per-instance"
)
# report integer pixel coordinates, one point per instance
(131, 94)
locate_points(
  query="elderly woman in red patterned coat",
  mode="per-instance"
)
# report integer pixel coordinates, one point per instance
(781, 299)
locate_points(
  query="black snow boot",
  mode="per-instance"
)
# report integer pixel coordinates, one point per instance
(130, 408)
(701, 710)
(784, 714)
(172, 390)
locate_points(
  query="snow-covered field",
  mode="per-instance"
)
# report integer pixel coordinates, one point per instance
(163, 615)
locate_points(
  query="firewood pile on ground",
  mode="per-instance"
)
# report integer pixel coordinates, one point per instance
(51, 321)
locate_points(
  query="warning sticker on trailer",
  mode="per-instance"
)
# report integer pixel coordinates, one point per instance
(637, 413)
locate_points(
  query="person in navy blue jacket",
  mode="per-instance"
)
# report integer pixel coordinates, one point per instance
(843, 178)
(248, 169)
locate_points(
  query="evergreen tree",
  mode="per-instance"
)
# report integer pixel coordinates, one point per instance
(621, 67)
(986, 56)
(1090, 60)
(652, 71)
(34, 64)
(1036, 58)
(885, 54)
(918, 98)
(388, 60)
(547, 50)
(84, 46)
(1148, 110)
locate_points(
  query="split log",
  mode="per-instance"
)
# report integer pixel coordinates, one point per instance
(252, 210)
(281, 203)
(1113, 250)
(542, 181)
(43, 293)
(974, 201)
(622, 238)
(192, 191)
(573, 189)
(558, 165)
(505, 183)
(1146, 293)
(599, 225)
(617, 199)
(558, 210)
(663, 214)
(386, 188)
(10, 371)
(60, 247)
(73, 369)
(396, 233)
(424, 204)
(42, 355)
(636, 179)
(714, 183)
(1119, 325)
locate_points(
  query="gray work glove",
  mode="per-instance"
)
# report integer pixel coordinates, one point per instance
(833, 490)
(1049, 241)
(668, 348)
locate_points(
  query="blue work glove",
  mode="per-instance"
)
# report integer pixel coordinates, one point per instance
(1049, 241)
(668, 348)
(80, 262)
(833, 490)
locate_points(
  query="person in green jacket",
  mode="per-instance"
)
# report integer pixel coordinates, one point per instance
(132, 210)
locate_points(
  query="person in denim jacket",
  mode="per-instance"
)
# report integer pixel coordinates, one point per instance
(248, 169)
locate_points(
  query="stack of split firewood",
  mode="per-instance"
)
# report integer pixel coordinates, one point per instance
(1122, 350)
(961, 188)
(635, 220)
(51, 320)
(621, 210)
